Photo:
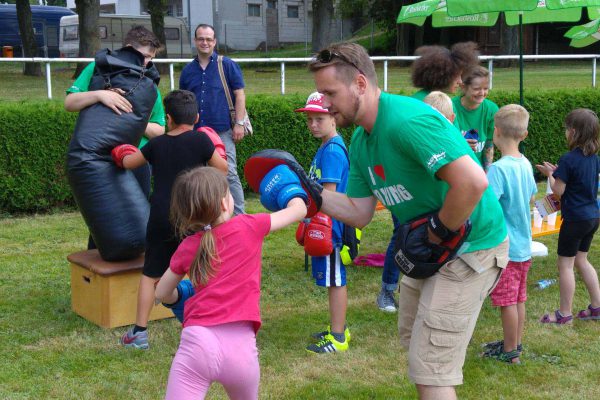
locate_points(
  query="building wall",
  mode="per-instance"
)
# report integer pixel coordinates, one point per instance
(235, 28)
(200, 12)
(295, 29)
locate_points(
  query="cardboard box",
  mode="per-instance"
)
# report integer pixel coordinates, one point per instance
(105, 293)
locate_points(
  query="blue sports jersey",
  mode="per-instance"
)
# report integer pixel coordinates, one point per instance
(330, 165)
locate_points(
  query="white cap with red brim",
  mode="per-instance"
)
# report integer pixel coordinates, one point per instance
(314, 103)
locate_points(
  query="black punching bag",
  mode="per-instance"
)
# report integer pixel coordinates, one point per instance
(110, 199)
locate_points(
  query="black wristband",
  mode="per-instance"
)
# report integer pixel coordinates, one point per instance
(439, 229)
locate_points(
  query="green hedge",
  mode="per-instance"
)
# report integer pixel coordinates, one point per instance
(33, 145)
(34, 137)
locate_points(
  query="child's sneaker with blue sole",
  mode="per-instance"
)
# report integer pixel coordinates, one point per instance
(137, 340)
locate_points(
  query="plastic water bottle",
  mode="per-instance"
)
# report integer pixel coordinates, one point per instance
(544, 283)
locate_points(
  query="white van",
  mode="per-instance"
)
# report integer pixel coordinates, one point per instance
(112, 28)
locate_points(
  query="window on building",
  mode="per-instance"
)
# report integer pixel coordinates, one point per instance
(292, 11)
(175, 8)
(102, 32)
(254, 10)
(108, 8)
(70, 32)
(171, 33)
(272, 4)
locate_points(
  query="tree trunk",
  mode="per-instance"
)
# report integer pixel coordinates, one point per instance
(402, 40)
(444, 37)
(89, 42)
(157, 9)
(27, 37)
(322, 18)
(419, 35)
(509, 43)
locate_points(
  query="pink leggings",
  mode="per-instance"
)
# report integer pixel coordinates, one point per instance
(223, 353)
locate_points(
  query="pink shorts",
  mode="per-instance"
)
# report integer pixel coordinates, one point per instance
(512, 286)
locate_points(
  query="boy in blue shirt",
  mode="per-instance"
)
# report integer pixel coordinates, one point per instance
(511, 177)
(330, 168)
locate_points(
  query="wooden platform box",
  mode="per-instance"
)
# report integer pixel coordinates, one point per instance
(105, 293)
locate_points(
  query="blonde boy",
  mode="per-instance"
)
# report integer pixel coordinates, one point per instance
(441, 102)
(511, 178)
(329, 167)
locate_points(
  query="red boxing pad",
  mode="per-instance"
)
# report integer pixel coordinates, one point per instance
(214, 137)
(261, 162)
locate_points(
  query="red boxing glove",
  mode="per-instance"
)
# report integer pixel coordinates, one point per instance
(214, 137)
(119, 153)
(317, 238)
(300, 232)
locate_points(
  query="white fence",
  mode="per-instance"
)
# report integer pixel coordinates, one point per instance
(282, 62)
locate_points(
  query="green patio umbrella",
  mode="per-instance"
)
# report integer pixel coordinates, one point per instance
(417, 14)
(485, 13)
(586, 34)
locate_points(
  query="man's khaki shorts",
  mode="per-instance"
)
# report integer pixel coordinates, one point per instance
(437, 315)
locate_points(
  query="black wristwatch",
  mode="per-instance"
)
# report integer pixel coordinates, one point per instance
(439, 229)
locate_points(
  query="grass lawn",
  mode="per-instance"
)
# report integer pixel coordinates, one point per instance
(48, 352)
(265, 79)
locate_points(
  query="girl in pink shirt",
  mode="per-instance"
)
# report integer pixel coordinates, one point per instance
(222, 256)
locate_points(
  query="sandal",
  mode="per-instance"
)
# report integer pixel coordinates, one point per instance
(594, 313)
(498, 344)
(510, 357)
(560, 319)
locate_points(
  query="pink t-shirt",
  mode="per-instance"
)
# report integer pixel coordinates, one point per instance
(233, 294)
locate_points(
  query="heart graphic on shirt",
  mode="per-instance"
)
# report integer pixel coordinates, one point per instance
(379, 171)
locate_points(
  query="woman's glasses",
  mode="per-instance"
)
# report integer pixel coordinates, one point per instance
(325, 56)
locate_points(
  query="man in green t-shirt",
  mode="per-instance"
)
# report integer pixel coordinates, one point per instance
(415, 162)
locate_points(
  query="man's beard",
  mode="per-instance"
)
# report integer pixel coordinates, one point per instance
(344, 120)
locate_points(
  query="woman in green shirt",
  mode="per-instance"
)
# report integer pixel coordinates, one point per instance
(475, 112)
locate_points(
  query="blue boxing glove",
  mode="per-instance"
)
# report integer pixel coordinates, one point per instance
(278, 187)
(185, 290)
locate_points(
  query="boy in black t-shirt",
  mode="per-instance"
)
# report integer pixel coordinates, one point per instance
(178, 150)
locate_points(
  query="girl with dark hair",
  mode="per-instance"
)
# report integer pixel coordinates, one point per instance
(575, 182)
(439, 68)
